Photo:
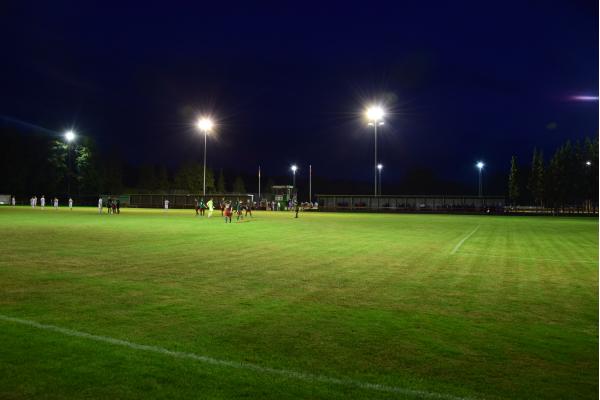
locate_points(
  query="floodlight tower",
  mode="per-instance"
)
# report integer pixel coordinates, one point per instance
(379, 168)
(69, 137)
(294, 168)
(375, 116)
(205, 125)
(480, 166)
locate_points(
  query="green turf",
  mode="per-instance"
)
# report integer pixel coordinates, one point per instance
(380, 299)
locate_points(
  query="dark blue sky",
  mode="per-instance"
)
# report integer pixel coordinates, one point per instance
(462, 80)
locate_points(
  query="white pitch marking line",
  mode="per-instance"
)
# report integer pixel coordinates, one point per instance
(303, 376)
(455, 249)
(529, 258)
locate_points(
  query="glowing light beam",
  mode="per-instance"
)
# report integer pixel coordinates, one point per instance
(584, 98)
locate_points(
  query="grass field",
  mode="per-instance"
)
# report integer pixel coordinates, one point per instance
(328, 306)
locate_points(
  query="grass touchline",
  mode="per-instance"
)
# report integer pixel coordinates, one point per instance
(234, 364)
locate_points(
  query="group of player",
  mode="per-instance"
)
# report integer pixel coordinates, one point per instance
(240, 208)
(113, 206)
(200, 206)
(33, 202)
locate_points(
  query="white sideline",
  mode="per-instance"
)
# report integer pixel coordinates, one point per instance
(462, 253)
(455, 249)
(303, 376)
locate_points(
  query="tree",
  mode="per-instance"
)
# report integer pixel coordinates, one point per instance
(113, 173)
(536, 177)
(590, 163)
(147, 180)
(190, 178)
(556, 185)
(87, 168)
(58, 160)
(270, 184)
(210, 181)
(162, 179)
(513, 182)
(238, 185)
(221, 182)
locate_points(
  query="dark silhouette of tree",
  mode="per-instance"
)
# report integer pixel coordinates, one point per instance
(147, 181)
(113, 173)
(513, 182)
(536, 177)
(162, 179)
(221, 182)
(238, 185)
(269, 187)
(190, 177)
(87, 171)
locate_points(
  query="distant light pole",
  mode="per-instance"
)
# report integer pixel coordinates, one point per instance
(375, 116)
(69, 137)
(310, 183)
(294, 168)
(379, 168)
(205, 125)
(480, 166)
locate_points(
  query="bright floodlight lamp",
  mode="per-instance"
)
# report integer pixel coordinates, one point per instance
(588, 163)
(70, 136)
(375, 113)
(294, 168)
(480, 166)
(379, 167)
(205, 124)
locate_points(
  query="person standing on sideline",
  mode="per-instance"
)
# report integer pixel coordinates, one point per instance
(43, 202)
(100, 205)
(249, 208)
(13, 201)
(210, 206)
(297, 207)
(238, 210)
(118, 204)
(166, 205)
(56, 203)
(70, 204)
(227, 211)
(109, 205)
(196, 206)
(202, 207)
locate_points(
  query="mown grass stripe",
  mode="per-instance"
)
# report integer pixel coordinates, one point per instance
(303, 376)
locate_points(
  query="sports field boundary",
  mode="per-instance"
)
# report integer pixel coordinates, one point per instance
(459, 244)
(302, 376)
(462, 253)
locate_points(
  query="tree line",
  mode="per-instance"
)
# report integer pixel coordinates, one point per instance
(568, 179)
(35, 164)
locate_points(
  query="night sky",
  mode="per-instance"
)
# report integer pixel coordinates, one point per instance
(288, 83)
